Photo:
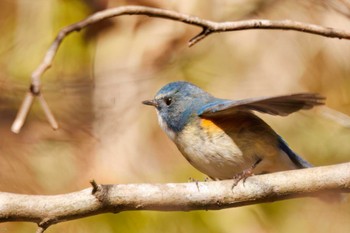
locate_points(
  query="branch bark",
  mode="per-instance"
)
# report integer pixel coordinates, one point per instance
(208, 28)
(214, 195)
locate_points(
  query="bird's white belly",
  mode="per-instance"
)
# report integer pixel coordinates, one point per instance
(213, 153)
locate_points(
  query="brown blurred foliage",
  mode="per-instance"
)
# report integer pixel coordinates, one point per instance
(101, 75)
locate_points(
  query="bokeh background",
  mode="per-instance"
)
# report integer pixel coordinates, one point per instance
(100, 76)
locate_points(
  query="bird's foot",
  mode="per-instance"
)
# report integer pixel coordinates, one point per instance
(242, 176)
(245, 174)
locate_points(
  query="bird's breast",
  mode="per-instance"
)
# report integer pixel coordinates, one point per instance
(210, 149)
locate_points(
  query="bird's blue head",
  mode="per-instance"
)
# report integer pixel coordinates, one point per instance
(177, 103)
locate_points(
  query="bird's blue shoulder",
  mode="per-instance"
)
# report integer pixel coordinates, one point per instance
(213, 104)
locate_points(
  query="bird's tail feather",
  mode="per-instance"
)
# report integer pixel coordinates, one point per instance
(328, 196)
(296, 159)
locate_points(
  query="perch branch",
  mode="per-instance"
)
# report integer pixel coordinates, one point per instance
(208, 27)
(48, 210)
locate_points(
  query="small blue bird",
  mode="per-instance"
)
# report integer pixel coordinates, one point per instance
(223, 138)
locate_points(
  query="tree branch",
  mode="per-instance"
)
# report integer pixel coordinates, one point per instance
(208, 27)
(48, 210)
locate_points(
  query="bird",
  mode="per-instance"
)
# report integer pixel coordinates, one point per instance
(225, 139)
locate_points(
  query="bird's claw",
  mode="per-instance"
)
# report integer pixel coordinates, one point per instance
(242, 176)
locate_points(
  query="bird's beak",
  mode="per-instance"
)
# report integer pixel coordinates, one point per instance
(150, 102)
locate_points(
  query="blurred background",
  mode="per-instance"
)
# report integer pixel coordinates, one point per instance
(100, 76)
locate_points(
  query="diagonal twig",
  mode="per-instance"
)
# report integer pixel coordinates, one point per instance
(22, 112)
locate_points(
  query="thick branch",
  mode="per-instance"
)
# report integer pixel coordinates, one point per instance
(47, 210)
(208, 27)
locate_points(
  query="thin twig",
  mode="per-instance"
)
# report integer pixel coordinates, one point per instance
(49, 116)
(204, 33)
(209, 27)
(22, 112)
(95, 187)
(336, 116)
(40, 230)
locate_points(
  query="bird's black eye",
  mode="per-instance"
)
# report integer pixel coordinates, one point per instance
(168, 100)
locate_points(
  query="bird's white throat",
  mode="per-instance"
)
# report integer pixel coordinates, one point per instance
(165, 127)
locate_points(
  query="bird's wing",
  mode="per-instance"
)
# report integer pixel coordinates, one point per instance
(279, 105)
